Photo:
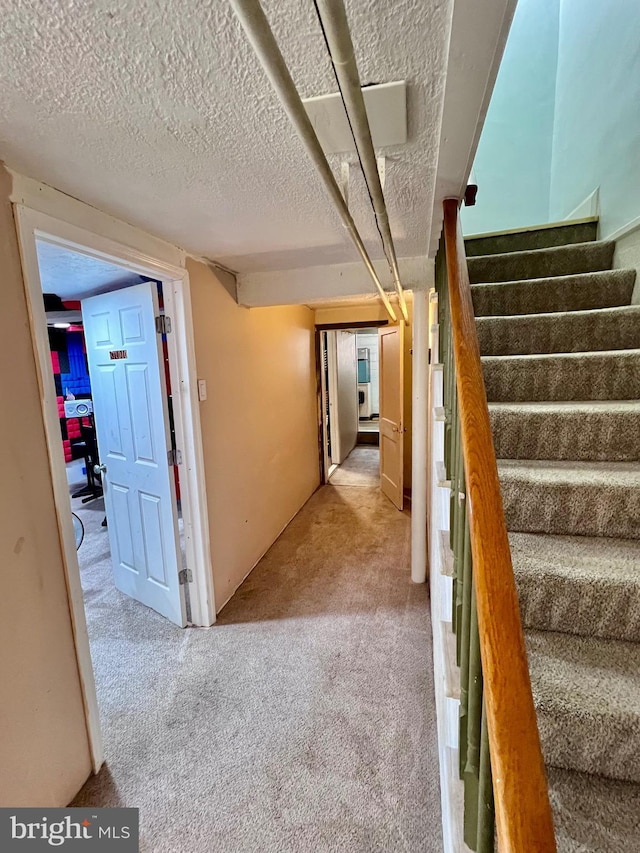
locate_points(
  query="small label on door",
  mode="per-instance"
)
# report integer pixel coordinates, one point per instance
(118, 353)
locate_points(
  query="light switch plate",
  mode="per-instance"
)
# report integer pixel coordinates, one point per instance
(202, 390)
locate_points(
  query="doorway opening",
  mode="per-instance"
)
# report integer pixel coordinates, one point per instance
(350, 398)
(112, 410)
(368, 386)
(361, 380)
(112, 335)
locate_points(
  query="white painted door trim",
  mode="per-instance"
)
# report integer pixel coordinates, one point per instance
(334, 412)
(31, 225)
(419, 435)
(324, 403)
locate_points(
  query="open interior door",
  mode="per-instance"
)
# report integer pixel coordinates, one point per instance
(346, 393)
(124, 352)
(391, 356)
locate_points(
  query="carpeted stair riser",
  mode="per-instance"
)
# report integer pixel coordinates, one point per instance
(572, 331)
(593, 814)
(561, 359)
(538, 238)
(608, 289)
(540, 263)
(587, 697)
(578, 376)
(568, 500)
(583, 432)
(578, 584)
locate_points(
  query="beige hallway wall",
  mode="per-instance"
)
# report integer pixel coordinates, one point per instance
(44, 751)
(259, 423)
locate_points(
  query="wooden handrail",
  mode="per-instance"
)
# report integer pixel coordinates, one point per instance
(523, 813)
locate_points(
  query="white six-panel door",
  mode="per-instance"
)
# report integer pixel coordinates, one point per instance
(132, 427)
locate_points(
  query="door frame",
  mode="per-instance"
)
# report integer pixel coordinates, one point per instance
(326, 467)
(322, 392)
(333, 425)
(32, 225)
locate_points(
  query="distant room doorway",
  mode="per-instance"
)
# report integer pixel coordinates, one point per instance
(368, 386)
(360, 385)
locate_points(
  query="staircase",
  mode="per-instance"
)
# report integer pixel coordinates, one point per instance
(560, 342)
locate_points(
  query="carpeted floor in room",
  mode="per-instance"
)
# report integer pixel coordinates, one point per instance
(303, 720)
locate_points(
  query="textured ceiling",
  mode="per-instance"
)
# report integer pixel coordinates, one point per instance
(71, 275)
(159, 113)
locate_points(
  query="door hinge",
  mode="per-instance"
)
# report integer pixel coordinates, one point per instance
(174, 457)
(163, 324)
(185, 576)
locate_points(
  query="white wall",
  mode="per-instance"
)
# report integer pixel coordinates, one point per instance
(564, 118)
(513, 162)
(369, 340)
(596, 139)
(347, 392)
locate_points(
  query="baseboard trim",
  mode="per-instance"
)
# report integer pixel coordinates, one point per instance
(547, 226)
(278, 535)
(624, 230)
(368, 437)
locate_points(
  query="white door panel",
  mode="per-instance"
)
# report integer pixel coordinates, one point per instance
(132, 428)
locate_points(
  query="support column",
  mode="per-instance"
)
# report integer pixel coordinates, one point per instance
(420, 391)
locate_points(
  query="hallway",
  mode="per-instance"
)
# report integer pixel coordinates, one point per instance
(304, 720)
(360, 468)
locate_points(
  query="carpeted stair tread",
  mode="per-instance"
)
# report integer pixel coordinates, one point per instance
(543, 237)
(587, 695)
(593, 814)
(539, 263)
(587, 291)
(560, 344)
(571, 498)
(566, 331)
(605, 375)
(597, 430)
(578, 584)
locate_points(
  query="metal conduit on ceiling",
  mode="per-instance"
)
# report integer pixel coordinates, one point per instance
(335, 27)
(259, 33)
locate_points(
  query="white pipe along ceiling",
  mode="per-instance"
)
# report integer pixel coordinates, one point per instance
(335, 26)
(259, 33)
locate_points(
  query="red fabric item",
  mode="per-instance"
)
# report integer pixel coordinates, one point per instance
(73, 428)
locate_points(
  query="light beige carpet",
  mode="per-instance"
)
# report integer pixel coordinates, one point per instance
(303, 720)
(360, 468)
